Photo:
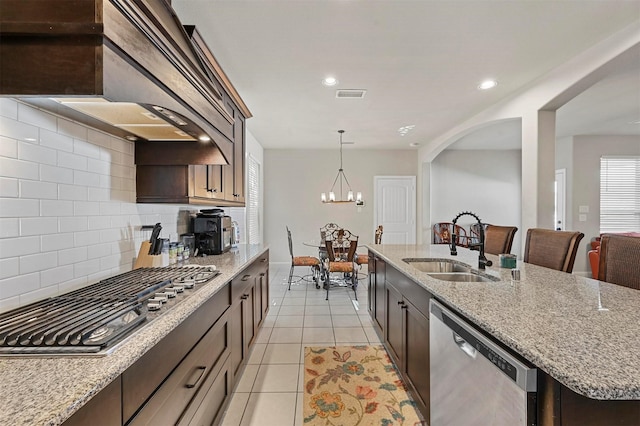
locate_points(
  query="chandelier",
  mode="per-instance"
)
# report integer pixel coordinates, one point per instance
(341, 178)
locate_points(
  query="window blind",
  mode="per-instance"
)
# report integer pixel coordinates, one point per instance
(619, 194)
(253, 201)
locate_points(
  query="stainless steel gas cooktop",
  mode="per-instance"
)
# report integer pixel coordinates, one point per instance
(93, 319)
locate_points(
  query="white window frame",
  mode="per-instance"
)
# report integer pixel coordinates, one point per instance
(619, 194)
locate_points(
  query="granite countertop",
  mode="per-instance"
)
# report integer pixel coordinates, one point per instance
(48, 390)
(583, 332)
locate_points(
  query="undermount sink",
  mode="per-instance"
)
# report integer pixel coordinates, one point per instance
(448, 270)
(468, 277)
(437, 265)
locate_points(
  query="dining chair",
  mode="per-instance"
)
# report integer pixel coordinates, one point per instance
(328, 229)
(310, 261)
(552, 249)
(363, 259)
(442, 234)
(340, 258)
(620, 260)
(499, 239)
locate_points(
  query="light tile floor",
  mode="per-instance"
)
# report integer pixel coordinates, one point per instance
(269, 392)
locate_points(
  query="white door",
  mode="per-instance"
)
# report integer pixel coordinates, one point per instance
(560, 216)
(395, 200)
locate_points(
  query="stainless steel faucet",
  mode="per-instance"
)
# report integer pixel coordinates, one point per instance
(482, 260)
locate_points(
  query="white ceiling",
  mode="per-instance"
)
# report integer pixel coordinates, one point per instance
(420, 62)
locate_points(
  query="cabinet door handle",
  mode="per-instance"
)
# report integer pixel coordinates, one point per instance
(401, 303)
(263, 260)
(196, 377)
(246, 277)
(244, 297)
(262, 274)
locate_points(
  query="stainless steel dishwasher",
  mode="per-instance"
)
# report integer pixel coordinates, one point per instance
(473, 380)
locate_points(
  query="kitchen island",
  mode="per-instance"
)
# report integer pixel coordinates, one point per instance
(47, 390)
(582, 334)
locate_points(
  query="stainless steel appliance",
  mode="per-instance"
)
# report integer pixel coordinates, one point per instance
(473, 380)
(213, 231)
(92, 320)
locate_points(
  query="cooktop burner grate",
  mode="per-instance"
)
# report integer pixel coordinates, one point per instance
(90, 319)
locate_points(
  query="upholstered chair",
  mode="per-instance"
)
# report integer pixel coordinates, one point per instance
(552, 249)
(310, 261)
(620, 260)
(442, 234)
(498, 239)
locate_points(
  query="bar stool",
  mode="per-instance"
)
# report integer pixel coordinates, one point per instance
(620, 260)
(498, 239)
(552, 249)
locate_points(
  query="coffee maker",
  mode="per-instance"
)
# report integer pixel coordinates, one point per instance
(212, 229)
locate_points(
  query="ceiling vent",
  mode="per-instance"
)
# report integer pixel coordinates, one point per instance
(350, 93)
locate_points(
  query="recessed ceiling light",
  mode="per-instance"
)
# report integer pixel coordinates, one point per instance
(487, 84)
(204, 138)
(330, 81)
(635, 122)
(414, 144)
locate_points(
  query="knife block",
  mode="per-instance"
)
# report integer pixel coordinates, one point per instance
(145, 260)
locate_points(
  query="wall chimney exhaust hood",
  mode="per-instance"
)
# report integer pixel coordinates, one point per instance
(126, 67)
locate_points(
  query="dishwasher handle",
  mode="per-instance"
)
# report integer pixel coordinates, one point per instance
(464, 346)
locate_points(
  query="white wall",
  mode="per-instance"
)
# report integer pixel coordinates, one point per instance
(68, 216)
(294, 180)
(485, 182)
(585, 185)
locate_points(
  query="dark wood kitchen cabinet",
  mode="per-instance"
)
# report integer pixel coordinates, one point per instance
(377, 297)
(406, 332)
(248, 308)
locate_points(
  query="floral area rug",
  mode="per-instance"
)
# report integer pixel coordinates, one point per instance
(355, 385)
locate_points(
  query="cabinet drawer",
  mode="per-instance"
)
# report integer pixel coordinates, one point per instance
(168, 403)
(207, 406)
(141, 379)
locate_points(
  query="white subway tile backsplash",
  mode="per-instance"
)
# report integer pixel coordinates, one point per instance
(37, 117)
(56, 242)
(86, 268)
(68, 216)
(8, 147)
(74, 284)
(38, 262)
(72, 224)
(82, 147)
(72, 161)
(55, 174)
(9, 108)
(98, 194)
(39, 294)
(74, 255)
(98, 222)
(14, 286)
(16, 207)
(9, 187)
(9, 267)
(111, 208)
(56, 208)
(86, 208)
(56, 140)
(97, 251)
(122, 145)
(86, 238)
(17, 130)
(9, 227)
(56, 275)
(99, 138)
(37, 153)
(38, 226)
(72, 192)
(12, 247)
(86, 178)
(73, 129)
(10, 167)
(99, 166)
(37, 189)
